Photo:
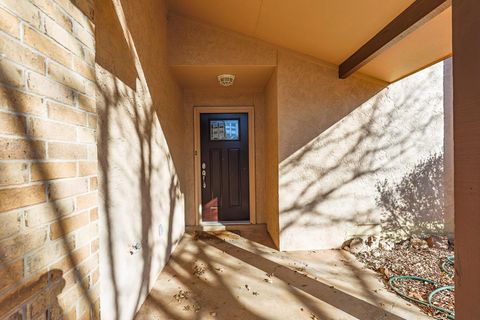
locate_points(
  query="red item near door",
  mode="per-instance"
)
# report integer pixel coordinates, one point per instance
(210, 210)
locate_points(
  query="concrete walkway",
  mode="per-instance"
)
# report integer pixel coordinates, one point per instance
(229, 276)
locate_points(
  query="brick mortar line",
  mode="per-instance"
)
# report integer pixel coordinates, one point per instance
(48, 243)
(47, 118)
(29, 116)
(81, 45)
(4, 7)
(45, 101)
(27, 90)
(31, 183)
(52, 79)
(68, 15)
(46, 183)
(21, 29)
(21, 90)
(66, 292)
(90, 208)
(46, 226)
(73, 270)
(43, 30)
(72, 70)
(25, 45)
(87, 20)
(19, 186)
(34, 139)
(25, 230)
(21, 41)
(35, 161)
(70, 107)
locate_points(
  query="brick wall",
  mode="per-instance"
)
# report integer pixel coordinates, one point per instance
(48, 163)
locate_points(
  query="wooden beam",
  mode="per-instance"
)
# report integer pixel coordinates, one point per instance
(466, 136)
(410, 19)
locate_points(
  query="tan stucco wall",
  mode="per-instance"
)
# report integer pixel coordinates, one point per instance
(448, 146)
(345, 140)
(338, 141)
(194, 43)
(271, 159)
(225, 97)
(141, 134)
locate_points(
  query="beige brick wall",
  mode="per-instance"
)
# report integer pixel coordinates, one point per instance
(48, 165)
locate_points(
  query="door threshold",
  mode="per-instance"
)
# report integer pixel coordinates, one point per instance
(224, 223)
(237, 225)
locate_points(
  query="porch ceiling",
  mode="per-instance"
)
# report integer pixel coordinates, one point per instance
(203, 77)
(329, 30)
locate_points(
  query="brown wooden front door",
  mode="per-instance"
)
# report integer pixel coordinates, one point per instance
(224, 166)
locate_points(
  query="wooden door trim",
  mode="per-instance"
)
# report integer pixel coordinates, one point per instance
(197, 156)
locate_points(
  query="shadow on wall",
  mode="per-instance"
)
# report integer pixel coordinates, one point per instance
(38, 293)
(26, 288)
(140, 197)
(328, 186)
(142, 201)
(137, 180)
(414, 206)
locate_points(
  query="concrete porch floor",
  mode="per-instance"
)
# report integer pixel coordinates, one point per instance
(227, 277)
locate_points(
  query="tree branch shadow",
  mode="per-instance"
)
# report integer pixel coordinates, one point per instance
(331, 181)
(38, 292)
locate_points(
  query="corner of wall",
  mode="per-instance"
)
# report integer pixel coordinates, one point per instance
(271, 159)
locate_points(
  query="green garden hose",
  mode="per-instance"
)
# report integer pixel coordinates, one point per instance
(448, 261)
(435, 292)
(429, 303)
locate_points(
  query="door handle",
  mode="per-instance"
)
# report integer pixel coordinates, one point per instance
(204, 176)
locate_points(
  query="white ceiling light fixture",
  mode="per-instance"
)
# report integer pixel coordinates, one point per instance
(226, 80)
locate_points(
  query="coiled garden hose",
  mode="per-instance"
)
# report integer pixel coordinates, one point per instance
(450, 314)
(448, 261)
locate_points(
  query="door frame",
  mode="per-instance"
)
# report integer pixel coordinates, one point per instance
(197, 157)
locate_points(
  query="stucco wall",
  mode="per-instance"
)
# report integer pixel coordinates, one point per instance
(356, 157)
(141, 134)
(195, 43)
(348, 150)
(225, 97)
(448, 147)
(271, 159)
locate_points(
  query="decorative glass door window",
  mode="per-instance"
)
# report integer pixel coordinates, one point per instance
(224, 130)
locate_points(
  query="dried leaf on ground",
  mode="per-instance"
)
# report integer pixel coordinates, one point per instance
(199, 270)
(413, 258)
(181, 295)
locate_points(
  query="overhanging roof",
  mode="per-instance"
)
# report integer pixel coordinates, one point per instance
(329, 30)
